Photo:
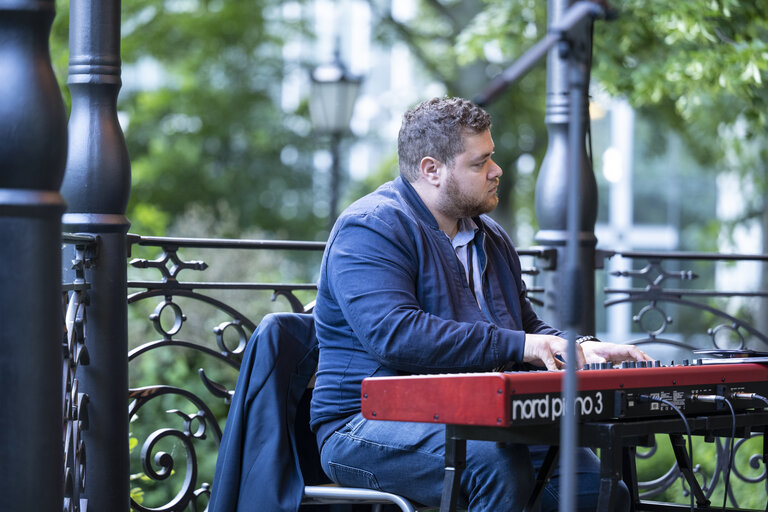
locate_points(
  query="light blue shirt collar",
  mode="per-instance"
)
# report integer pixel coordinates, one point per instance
(467, 230)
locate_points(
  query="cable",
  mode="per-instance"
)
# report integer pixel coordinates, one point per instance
(722, 399)
(750, 396)
(730, 453)
(687, 431)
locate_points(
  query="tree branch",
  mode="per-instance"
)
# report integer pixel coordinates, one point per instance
(413, 42)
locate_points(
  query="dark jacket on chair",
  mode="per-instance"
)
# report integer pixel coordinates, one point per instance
(258, 467)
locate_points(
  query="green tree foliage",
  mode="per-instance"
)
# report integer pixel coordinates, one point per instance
(698, 67)
(213, 131)
(200, 108)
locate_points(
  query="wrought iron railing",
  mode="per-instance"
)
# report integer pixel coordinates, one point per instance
(187, 333)
(660, 287)
(74, 402)
(673, 319)
(201, 323)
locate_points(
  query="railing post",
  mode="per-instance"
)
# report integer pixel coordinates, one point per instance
(551, 196)
(96, 187)
(33, 145)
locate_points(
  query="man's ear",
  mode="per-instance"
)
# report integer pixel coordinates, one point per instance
(430, 170)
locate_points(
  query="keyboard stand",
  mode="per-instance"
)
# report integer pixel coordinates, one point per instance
(617, 441)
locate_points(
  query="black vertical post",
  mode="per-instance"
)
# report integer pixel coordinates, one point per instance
(96, 187)
(335, 179)
(566, 209)
(33, 146)
(552, 194)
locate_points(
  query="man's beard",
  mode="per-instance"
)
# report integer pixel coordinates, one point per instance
(457, 204)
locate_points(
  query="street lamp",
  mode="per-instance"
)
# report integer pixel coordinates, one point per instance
(332, 99)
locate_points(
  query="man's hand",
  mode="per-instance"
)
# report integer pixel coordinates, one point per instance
(605, 352)
(550, 351)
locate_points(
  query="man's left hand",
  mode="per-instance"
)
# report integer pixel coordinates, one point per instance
(606, 352)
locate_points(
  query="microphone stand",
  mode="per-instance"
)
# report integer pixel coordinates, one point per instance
(559, 33)
(573, 38)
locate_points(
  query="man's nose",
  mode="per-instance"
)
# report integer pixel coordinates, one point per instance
(495, 171)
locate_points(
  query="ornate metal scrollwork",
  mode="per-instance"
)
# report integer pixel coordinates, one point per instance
(654, 294)
(724, 467)
(178, 318)
(160, 465)
(192, 321)
(242, 337)
(169, 263)
(717, 336)
(754, 461)
(644, 317)
(74, 403)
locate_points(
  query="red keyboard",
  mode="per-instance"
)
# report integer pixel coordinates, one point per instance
(519, 398)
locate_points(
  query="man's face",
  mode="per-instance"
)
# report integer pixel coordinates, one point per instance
(471, 184)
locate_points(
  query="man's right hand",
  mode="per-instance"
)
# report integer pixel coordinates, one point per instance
(549, 351)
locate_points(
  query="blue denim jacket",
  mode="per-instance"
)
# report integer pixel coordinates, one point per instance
(393, 299)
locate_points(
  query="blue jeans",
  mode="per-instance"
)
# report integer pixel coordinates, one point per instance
(409, 459)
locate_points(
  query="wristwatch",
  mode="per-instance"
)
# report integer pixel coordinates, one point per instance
(586, 338)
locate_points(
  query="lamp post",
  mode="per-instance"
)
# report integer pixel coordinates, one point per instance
(333, 94)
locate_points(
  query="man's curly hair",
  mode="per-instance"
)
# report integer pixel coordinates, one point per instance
(436, 128)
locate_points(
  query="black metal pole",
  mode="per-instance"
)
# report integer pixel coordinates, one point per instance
(572, 296)
(566, 208)
(33, 145)
(335, 179)
(552, 193)
(576, 49)
(96, 187)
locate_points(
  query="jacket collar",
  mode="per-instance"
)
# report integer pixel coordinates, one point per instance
(413, 199)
